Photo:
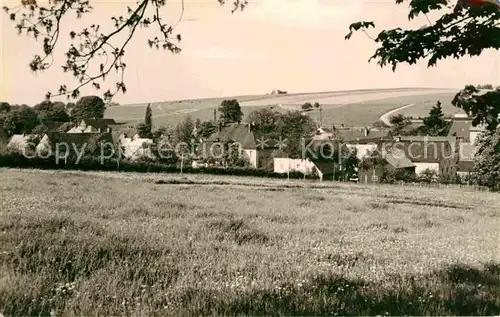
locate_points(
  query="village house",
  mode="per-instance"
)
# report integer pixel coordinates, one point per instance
(134, 147)
(21, 142)
(73, 144)
(460, 127)
(127, 140)
(93, 126)
(321, 160)
(424, 151)
(389, 160)
(255, 146)
(460, 166)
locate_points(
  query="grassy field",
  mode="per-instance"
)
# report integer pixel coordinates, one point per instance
(125, 244)
(422, 107)
(353, 108)
(366, 113)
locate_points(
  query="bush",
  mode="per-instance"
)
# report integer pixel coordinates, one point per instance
(17, 160)
(428, 176)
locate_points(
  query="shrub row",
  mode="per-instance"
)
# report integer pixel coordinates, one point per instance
(16, 160)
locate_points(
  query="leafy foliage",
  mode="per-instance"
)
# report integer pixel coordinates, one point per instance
(434, 123)
(184, 131)
(96, 52)
(205, 129)
(265, 120)
(401, 125)
(144, 130)
(483, 107)
(487, 162)
(88, 107)
(307, 106)
(428, 175)
(230, 111)
(4, 107)
(295, 128)
(148, 119)
(461, 30)
(51, 111)
(19, 119)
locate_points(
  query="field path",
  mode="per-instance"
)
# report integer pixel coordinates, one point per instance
(387, 116)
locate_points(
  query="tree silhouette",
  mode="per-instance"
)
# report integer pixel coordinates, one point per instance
(434, 123)
(230, 111)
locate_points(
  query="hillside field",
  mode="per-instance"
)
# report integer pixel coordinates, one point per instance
(353, 108)
(74, 243)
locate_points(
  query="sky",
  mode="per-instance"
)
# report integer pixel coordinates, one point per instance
(292, 45)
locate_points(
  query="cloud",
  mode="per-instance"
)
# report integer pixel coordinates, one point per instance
(218, 52)
(307, 13)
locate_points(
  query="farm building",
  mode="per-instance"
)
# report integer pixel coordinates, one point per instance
(256, 147)
(463, 130)
(460, 128)
(460, 165)
(72, 143)
(134, 147)
(389, 160)
(424, 151)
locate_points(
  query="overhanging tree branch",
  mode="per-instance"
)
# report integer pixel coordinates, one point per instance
(92, 45)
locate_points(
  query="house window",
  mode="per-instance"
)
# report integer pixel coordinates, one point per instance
(374, 178)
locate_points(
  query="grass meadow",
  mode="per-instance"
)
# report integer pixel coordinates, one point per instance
(354, 108)
(74, 243)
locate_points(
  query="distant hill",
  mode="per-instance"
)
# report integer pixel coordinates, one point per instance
(351, 107)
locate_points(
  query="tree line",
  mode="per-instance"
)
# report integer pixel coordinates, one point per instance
(23, 119)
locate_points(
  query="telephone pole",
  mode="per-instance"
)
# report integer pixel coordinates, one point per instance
(320, 116)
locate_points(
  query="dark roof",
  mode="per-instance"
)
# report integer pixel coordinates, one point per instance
(77, 139)
(100, 123)
(358, 135)
(243, 134)
(326, 167)
(397, 159)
